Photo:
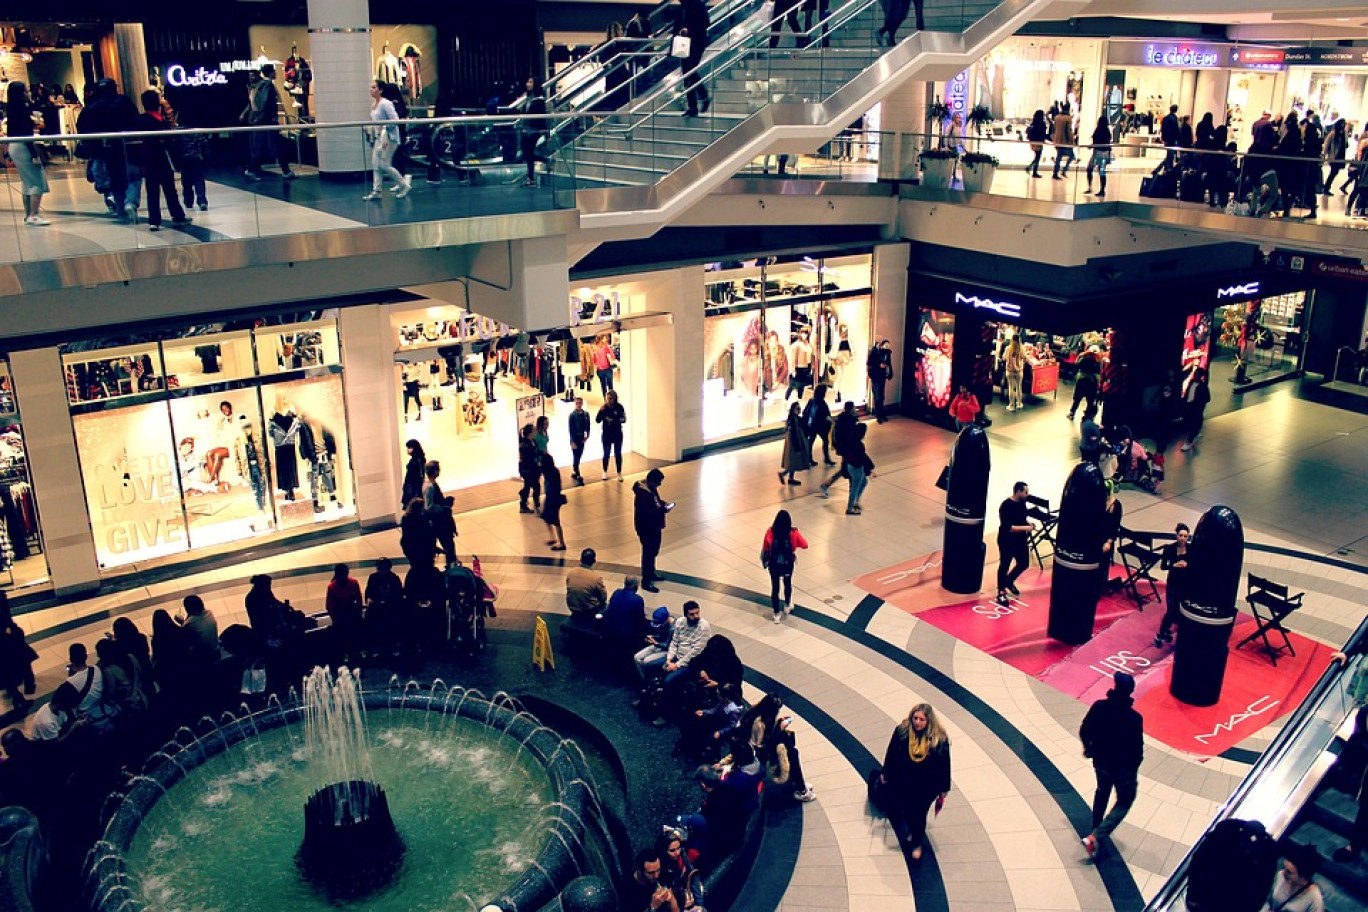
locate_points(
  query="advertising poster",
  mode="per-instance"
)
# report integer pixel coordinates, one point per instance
(529, 409)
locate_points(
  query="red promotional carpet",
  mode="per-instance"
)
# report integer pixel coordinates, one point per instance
(1255, 691)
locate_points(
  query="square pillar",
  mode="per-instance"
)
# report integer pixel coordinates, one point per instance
(55, 466)
(890, 309)
(377, 453)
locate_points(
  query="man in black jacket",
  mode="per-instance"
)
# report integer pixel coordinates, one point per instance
(110, 112)
(648, 516)
(1113, 738)
(1168, 134)
(691, 19)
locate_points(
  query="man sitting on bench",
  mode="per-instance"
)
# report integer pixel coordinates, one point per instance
(585, 592)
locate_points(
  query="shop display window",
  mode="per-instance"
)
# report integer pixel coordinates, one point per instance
(132, 482)
(297, 346)
(212, 358)
(186, 467)
(22, 562)
(113, 373)
(777, 328)
(935, 353)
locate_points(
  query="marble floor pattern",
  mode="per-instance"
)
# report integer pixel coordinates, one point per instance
(1009, 834)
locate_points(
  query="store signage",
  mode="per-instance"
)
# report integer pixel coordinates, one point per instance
(1351, 270)
(957, 93)
(1004, 308)
(1257, 58)
(1238, 291)
(242, 66)
(598, 308)
(176, 75)
(1355, 57)
(1183, 56)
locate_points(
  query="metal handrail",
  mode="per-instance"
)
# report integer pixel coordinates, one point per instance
(746, 43)
(1271, 757)
(178, 132)
(718, 14)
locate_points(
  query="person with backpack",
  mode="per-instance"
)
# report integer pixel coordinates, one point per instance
(778, 555)
(817, 420)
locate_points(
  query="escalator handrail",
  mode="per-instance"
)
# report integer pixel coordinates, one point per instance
(739, 46)
(727, 11)
(1271, 757)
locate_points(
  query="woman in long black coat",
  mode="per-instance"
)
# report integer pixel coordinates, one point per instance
(413, 473)
(915, 775)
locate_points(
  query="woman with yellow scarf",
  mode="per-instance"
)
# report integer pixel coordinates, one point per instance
(915, 774)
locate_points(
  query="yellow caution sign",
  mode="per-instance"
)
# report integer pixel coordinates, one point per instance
(541, 646)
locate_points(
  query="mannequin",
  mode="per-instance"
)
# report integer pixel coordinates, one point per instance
(308, 451)
(285, 428)
(248, 459)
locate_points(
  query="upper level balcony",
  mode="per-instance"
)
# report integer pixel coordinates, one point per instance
(1265, 199)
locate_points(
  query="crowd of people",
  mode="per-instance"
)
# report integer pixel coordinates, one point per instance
(1283, 168)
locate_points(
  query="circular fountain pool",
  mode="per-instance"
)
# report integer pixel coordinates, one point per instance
(491, 806)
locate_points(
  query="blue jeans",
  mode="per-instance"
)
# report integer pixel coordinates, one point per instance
(858, 479)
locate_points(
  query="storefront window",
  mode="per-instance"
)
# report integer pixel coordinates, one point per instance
(210, 438)
(934, 358)
(22, 562)
(776, 329)
(1263, 337)
(460, 377)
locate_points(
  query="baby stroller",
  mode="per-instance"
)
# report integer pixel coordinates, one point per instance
(469, 601)
(1126, 461)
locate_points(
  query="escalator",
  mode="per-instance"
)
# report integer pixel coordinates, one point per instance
(1302, 789)
(1327, 820)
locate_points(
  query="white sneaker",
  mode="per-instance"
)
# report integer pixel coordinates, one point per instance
(605, 476)
(806, 795)
(36, 221)
(404, 189)
(778, 618)
(373, 195)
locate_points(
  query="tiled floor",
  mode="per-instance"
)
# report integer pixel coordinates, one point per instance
(1008, 837)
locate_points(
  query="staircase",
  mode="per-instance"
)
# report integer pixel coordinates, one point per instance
(640, 167)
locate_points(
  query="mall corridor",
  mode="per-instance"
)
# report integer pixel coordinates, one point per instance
(853, 663)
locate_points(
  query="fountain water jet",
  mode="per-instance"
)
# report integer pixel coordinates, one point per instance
(351, 846)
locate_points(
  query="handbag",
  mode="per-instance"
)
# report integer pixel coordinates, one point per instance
(254, 679)
(680, 45)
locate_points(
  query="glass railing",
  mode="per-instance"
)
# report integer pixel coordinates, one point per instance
(623, 68)
(1134, 169)
(255, 182)
(805, 55)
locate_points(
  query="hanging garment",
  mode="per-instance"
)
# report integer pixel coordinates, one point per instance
(284, 436)
(6, 546)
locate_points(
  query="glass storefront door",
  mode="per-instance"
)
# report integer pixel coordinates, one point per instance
(774, 330)
(210, 437)
(22, 561)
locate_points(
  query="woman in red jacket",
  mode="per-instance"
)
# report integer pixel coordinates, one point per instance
(778, 555)
(344, 603)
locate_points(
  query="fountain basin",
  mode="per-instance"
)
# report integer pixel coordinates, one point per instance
(154, 841)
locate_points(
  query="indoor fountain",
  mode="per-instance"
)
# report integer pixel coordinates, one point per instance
(415, 798)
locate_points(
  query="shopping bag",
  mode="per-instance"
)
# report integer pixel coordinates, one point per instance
(679, 46)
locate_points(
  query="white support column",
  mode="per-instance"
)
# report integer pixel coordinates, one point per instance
(666, 364)
(890, 308)
(377, 453)
(339, 40)
(53, 461)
